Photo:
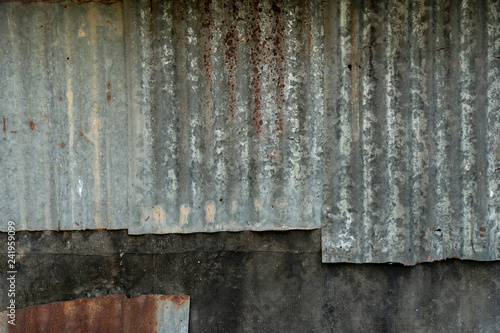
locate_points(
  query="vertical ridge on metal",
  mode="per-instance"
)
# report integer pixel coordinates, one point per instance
(412, 100)
(161, 116)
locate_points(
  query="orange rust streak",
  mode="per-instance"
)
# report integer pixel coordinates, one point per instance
(32, 125)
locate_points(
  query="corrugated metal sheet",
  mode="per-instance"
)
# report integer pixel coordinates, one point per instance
(111, 313)
(413, 105)
(161, 116)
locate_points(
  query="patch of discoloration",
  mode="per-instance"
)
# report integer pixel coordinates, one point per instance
(257, 204)
(178, 300)
(234, 207)
(308, 204)
(210, 211)
(281, 202)
(158, 215)
(184, 212)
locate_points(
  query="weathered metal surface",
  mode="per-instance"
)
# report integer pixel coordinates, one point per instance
(111, 313)
(412, 104)
(161, 116)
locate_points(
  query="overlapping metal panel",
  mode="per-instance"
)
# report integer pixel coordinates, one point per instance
(161, 116)
(111, 313)
(412, 91)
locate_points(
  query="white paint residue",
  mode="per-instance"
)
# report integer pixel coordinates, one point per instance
(79, 187)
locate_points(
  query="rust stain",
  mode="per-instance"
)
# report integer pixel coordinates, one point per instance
(279, 62)
(108, 85)
(258, 56)
(231, 41)
(4, 125)
(110, 313)
(482, 229)
(479, 61)
(81, 134)
(178, 300)
(32, 125)
(206, 22)
(108, 96)
(63, 144)
(482, 235)
(13, 132)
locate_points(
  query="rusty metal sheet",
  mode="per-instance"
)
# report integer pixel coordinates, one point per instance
(412, 103)
(161, 116)
(111, 313)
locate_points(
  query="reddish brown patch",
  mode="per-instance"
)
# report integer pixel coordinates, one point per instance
(63, 144)
(32, 125)
(479, 61)
(108, 97)
(60, 98)
(178, 300)
(13, 132)
(231, 41)
(482, 235)
(4, 125)
(58, 225)
(256, 55)
(111, 313)
(81, 133)
(108, 85)
(482, 229)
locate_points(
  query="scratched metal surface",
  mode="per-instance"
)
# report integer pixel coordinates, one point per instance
(412, 102)
(111, 313)
(161, 116)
